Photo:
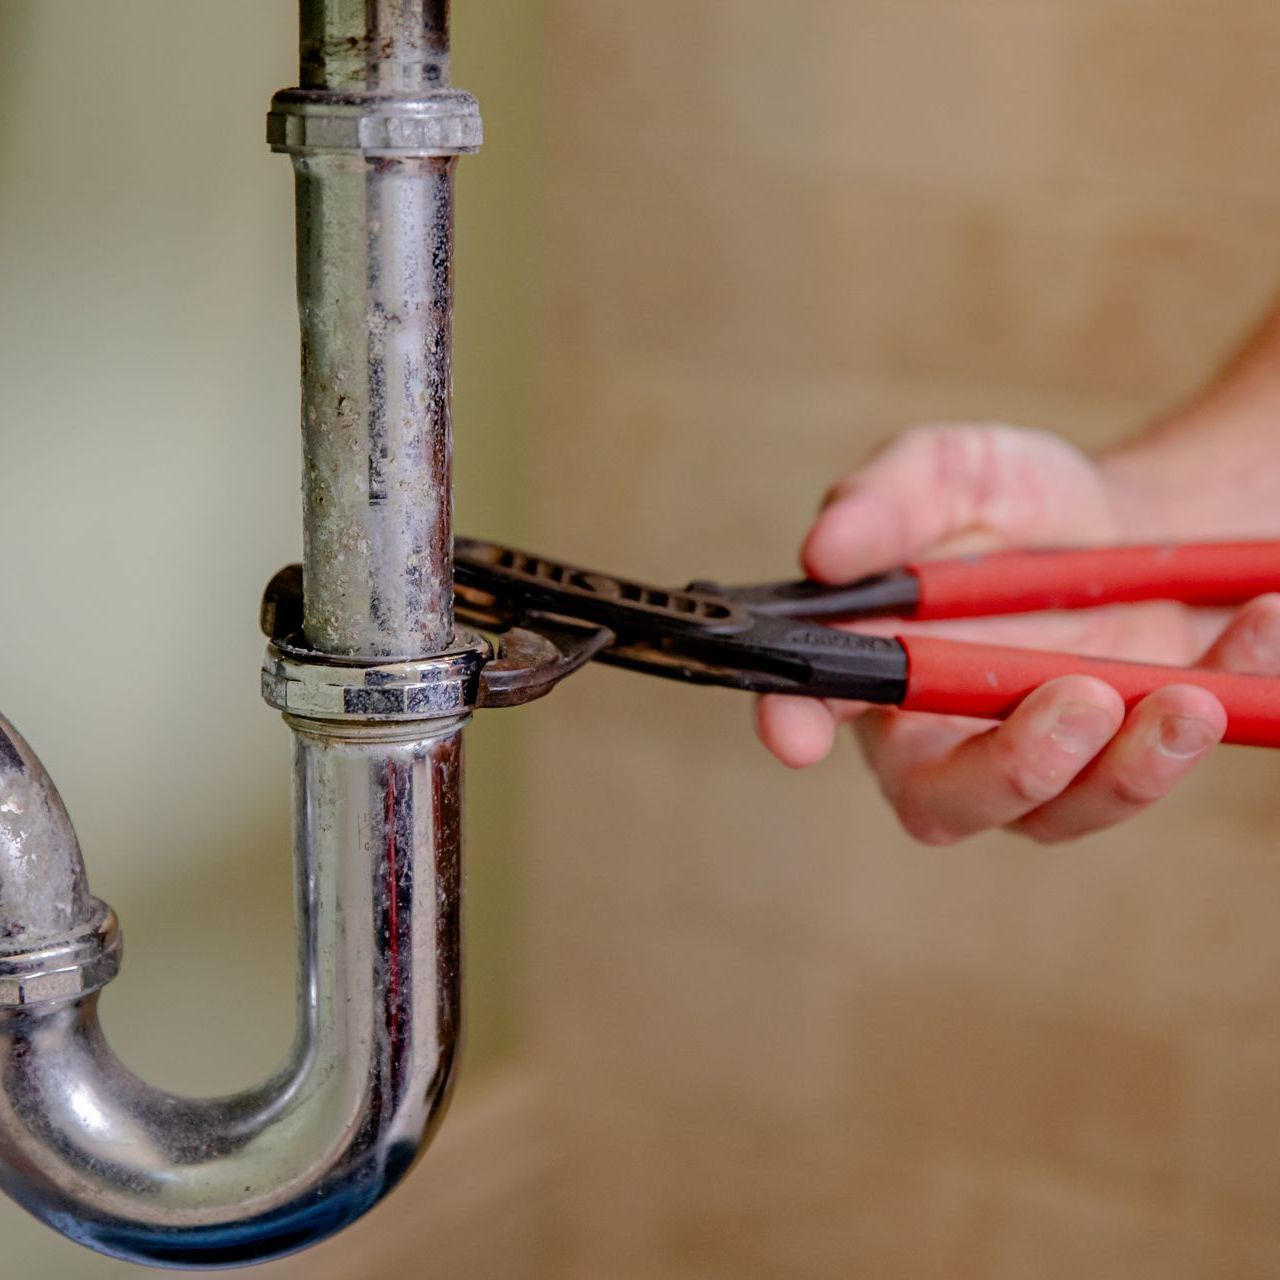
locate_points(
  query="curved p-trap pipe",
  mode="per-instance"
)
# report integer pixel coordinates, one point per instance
(155, 1178)
(375, 685)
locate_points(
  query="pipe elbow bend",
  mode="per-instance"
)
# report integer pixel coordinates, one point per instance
(145, 1175)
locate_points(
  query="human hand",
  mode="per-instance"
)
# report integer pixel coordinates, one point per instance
(1068, 761)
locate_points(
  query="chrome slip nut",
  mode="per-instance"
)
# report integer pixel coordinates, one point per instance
(319, 686)
(445, 122)
(63, 971)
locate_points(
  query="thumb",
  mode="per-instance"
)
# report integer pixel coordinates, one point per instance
(933, 483)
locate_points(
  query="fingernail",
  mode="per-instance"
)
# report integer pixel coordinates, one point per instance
(1081, 729)
(1185, 736)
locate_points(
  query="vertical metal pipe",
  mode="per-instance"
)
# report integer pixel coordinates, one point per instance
(396, 45)
(375, 296)
(374, 132)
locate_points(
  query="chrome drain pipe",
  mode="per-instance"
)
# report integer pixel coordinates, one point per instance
(376, 687)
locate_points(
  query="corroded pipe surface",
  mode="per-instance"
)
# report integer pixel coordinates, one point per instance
(43, 895)
(375, 297)
(399, 46)
(374, 131)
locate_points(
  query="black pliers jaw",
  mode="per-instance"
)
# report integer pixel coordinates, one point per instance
(700, 634)
(551, 619)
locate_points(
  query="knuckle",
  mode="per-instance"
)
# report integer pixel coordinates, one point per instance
(943, 447)
(1135, 789)
(1030, 784)
(930, 834)
(1039, 829)
(953, 452)
(922, 825)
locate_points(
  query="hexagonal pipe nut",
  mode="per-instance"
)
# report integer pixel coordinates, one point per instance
(444, 123)
(317, 686)
(65, 971)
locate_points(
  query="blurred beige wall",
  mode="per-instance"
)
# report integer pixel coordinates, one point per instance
(785, 1043)
(768, 1037)
(148, 488)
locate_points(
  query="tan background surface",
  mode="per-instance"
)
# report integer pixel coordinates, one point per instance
(786, 1042)
(740, 1028)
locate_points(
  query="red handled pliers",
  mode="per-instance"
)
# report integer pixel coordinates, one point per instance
(771, 638)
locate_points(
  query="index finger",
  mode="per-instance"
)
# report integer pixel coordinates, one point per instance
(933, 483)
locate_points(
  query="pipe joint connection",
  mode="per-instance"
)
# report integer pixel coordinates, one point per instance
(317, 686)
(442, 122)
(66, 970)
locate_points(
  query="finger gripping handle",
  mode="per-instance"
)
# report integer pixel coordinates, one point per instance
(953, 677)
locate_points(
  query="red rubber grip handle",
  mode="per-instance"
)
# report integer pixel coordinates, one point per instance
(953, 677)
(1196, 573)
